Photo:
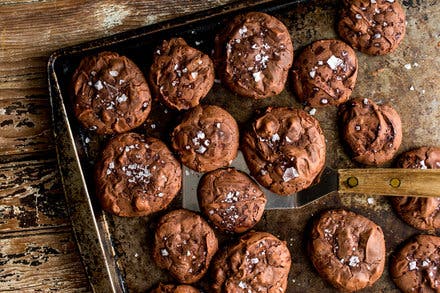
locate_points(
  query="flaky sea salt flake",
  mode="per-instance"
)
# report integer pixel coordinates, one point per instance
(289, 174)
(334, 62)
(257, 76)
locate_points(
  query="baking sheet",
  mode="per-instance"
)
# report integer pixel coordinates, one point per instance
(117, 251)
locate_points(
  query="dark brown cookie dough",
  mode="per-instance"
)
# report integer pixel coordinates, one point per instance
(110, 94)
(206, 139)
(375, 27)
(325, 73)
(180, 75)
(184, 245)
(373, 133)
(348, 250)
(253, 55)
(162, 288)
(136, 176)
(420, 212)
(416, 266)
(231, 200)
(259, 262)
(284, 150)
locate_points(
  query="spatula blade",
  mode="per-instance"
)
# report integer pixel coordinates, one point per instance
(327, 184)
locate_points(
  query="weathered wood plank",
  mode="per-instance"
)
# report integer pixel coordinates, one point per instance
(48, 263)
(31, 196)
(25, 125)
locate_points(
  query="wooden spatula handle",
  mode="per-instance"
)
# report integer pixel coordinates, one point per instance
(376, 181)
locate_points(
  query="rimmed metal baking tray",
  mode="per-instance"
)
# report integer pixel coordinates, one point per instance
(117, 251)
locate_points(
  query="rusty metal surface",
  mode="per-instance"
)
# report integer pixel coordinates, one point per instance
(414, 92)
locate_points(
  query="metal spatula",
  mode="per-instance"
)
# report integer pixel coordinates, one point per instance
(371, 181)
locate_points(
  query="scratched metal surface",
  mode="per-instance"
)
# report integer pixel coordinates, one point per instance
(414, 92)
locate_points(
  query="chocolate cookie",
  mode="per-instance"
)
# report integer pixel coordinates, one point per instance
(259, 262)
(184, 244)
(206, 139)
(420, 212)
(348, 250)
(375, 27)
(284, 150)
(180, 75)
(372, 132)
(253, 55)
(416, 266)
(175, 289)
(325, 73)
(136, 176)
(231, 200)
(110, 94)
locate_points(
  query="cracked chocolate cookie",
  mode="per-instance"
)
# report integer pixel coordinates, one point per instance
(347, 250)
(253, 55)
(180, 75)
(206, 139)
(110, 94)
(325, 73)
(416, 266)
(284, 150)
(375, 27)
(162, 288)
(372, 133)
(231, 200)
(136, 176)
(184, 244)
(420, 212)
(259, 262)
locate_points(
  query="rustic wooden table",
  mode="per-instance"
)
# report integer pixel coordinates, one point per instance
(37, 248)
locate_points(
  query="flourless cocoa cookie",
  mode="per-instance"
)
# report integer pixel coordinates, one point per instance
(231, 200)
(259, 262)
(206, 139)
(284, 150)
(348, 250)
(110, 94)
(372, 133)
(253, 55)
(180, 75)
(416, 266)
(136, 176)
(375, 27)
(184, 244)
(325, 73)
(420, 212)
(162, 288)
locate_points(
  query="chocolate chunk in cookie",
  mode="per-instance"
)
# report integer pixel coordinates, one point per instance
(259, 262)
(253, 55)
(180, 75)
(206, 139)
(348, 250)
(184, 244)
(136, 176)
(372, 133)
(375, 27)
(231, 200)
(284, 150)
(325, 73)
(416, 266)
(110, 94)
(162, 288)
(420, 212)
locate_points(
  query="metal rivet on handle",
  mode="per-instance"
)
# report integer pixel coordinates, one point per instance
(394, 182)
(352, 181)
